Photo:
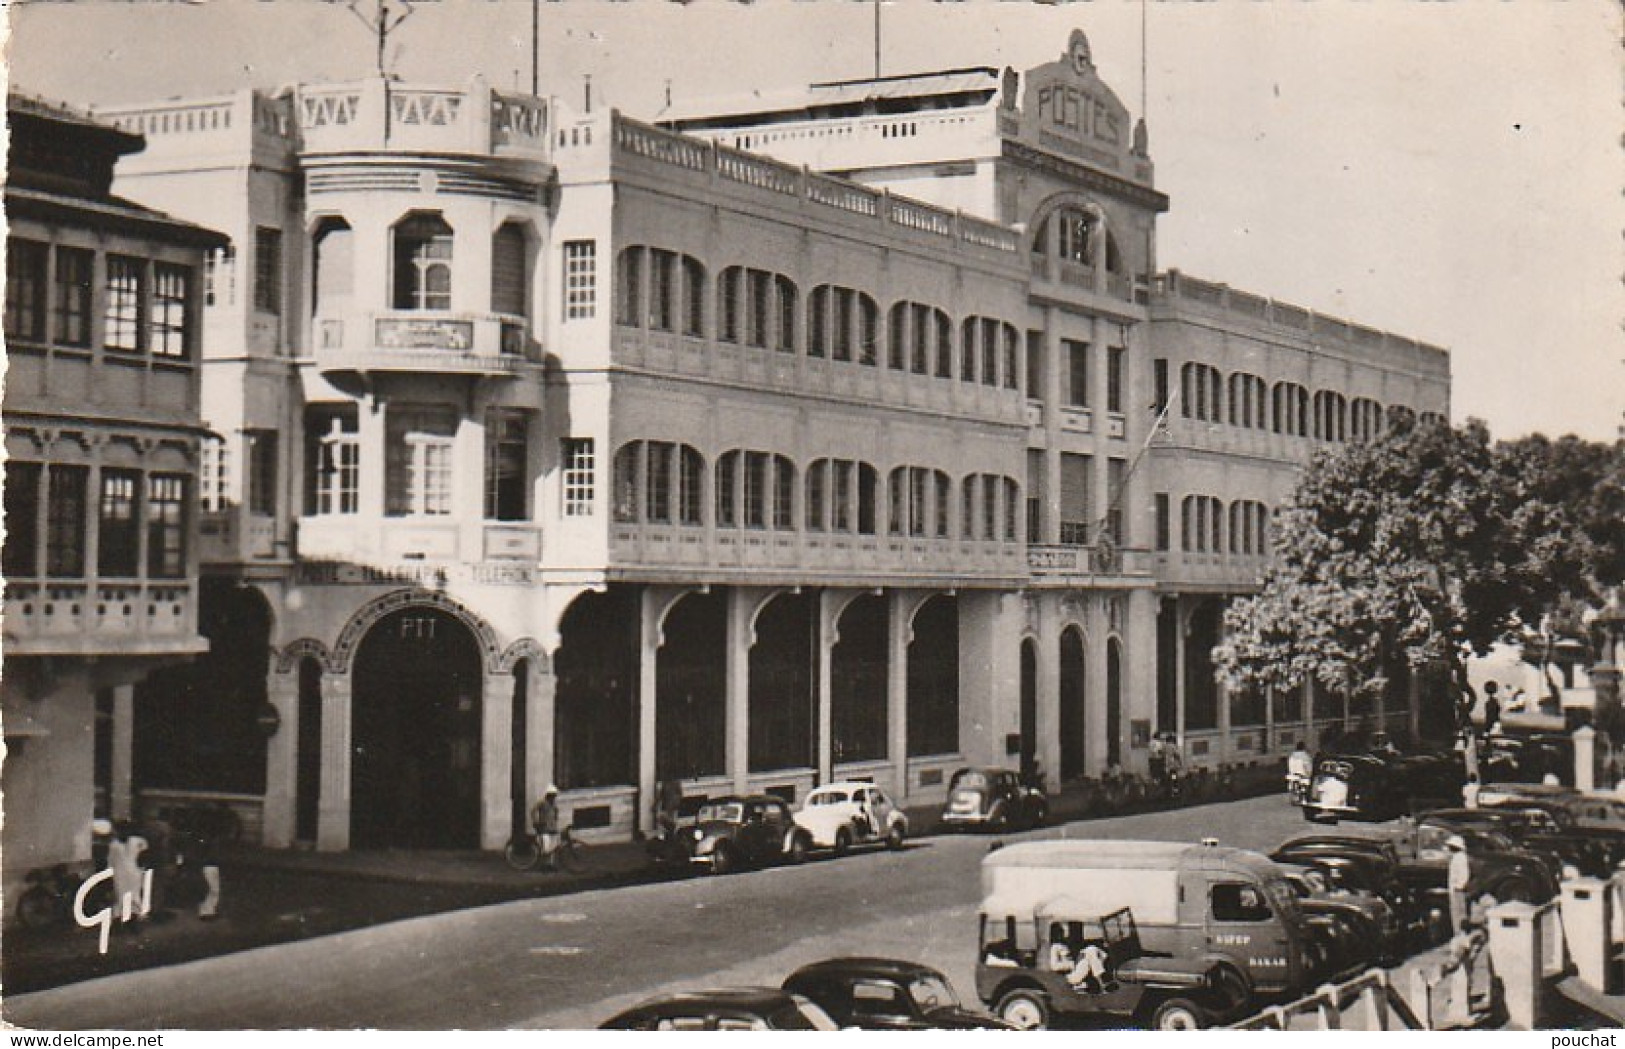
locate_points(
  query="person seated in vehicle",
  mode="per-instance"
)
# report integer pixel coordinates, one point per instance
(1061, 959)
(1092, 974)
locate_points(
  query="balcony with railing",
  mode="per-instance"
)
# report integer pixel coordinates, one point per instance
(476, 344)
(377, 113)
(101, 618)
(1067, 564)
(834, 557)
(1211, 570)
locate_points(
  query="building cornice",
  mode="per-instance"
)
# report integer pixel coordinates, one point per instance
(1084, 175)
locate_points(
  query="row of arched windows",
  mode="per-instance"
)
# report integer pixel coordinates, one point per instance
(1208, 526)
(663, 482)
(1249, 402)
(666, 291)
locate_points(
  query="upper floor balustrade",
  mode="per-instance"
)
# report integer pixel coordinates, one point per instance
(108, 617)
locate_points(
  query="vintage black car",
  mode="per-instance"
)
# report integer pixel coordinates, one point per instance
(993, 798)
(884, 994)
(728, 1009)
(1379, 786)
(1370, 932)
(1528, 758)
(1593, 851)
(733, 832)
(1369, 864)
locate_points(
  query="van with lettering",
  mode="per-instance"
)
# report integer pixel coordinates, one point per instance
(1226, 914)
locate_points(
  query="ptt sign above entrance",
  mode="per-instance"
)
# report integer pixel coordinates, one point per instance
(489, 573)
(1066, 108)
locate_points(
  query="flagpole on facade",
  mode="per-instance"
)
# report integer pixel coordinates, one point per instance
(877, 39)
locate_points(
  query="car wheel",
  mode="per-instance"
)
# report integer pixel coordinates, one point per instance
(798, 849)
(843, 842)
(1040, 814)
(1025, 1009)
(723, 860)
(894, 837)
(1178, 1014)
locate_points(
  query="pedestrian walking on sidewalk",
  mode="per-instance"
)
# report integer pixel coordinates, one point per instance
(208, 860)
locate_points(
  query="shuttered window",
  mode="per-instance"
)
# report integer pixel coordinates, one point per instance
(1075, 470)
(508, 271)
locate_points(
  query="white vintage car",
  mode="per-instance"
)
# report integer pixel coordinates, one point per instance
(841, 815)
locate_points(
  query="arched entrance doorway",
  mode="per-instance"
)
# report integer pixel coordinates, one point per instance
(1029, 704)
(415, 733)
(1074, 729)
(1114, 702)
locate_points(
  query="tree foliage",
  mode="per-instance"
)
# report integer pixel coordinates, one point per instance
(1411, 549)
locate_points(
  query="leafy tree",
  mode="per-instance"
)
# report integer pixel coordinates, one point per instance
(1587, 479)
(1411, 549)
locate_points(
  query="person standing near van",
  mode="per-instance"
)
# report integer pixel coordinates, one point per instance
(1458, 877)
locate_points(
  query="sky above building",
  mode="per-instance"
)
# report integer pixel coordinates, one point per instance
(1448, 172)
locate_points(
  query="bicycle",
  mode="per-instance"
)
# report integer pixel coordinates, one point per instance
(524, 852)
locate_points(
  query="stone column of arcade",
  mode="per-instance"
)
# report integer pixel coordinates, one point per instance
(333, 815)
(829, 605)
(281, 757)
(123, 750)
(540, 693)
(1047, 750)
(496, 758)
(736, 751)
(899, 631)
(1139, 664)
(1182, 626)
(650, 605)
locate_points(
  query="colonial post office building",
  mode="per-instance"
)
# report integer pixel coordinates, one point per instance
(752, 446)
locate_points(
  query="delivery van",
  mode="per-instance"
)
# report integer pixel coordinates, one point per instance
(1208, 907)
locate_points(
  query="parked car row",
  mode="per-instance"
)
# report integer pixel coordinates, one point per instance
(732, 832)
(878, 994)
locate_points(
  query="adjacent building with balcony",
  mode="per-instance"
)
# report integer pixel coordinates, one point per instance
(102, 323)
(751, 447)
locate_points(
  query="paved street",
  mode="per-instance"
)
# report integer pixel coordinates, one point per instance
(569, 962)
